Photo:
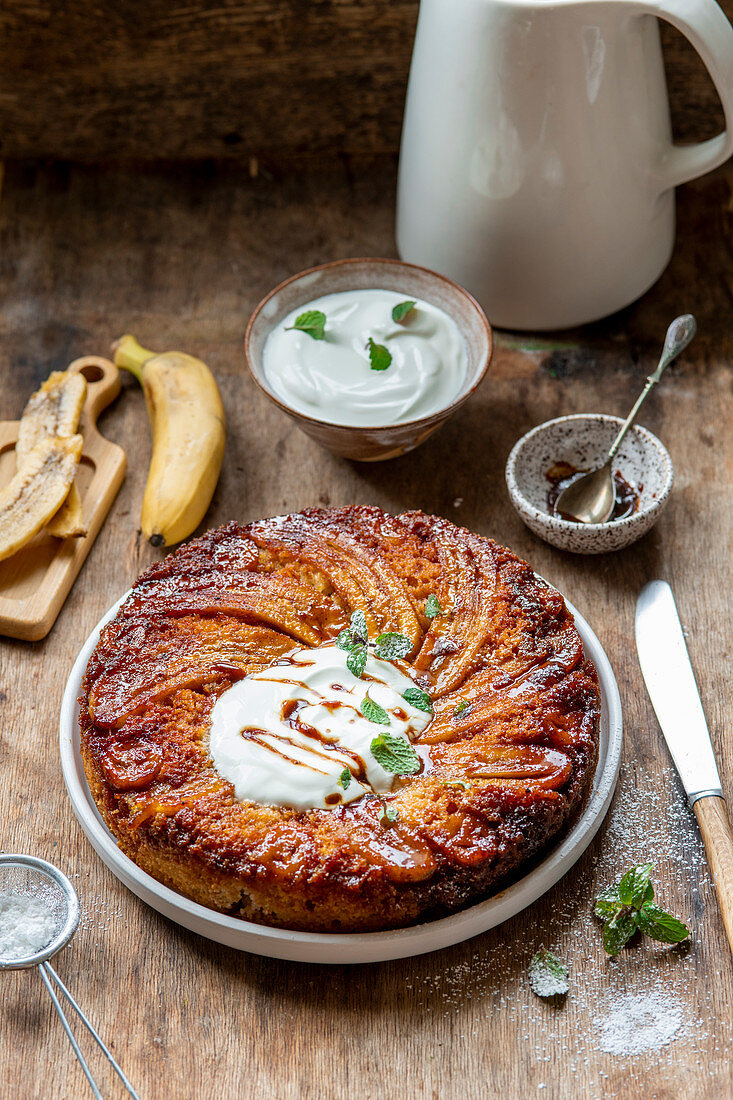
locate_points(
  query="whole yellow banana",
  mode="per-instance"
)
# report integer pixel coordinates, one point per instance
(187, 421)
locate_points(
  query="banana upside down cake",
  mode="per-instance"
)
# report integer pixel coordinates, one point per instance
(339, 720)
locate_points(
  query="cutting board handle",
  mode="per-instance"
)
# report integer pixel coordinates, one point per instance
(103, 385)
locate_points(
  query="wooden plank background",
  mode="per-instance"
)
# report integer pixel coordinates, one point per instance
(180, 256)
(192, 79)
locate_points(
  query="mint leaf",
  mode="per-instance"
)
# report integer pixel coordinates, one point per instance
(356, 661)
(419, 699)
(608, 903)
(548, 975)
(391, 645)
(345, 640)
(401, 310)
(312, 321)
(388, 815)
(628, 906)
(432, 607)
(395, 754)
(359, 627)
(379, 357)
(633, 886)
(345, 778)
(618, 931)
(373, 712)
(661, 926)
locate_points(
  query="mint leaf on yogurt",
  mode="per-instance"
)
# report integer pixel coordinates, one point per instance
(395, 754)
(313, 321)
(401, 310)
(418, 698)
(373, 712)
(379, 357)
(357, 659)
(345, 778)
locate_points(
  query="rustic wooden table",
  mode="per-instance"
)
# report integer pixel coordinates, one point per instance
(180, 256)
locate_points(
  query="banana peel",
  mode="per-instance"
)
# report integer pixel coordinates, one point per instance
(189, 433)
(37, 491)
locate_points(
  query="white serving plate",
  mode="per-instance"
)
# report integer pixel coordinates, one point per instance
(358, 947)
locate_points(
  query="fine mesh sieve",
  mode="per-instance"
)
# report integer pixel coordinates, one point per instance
(24, 878)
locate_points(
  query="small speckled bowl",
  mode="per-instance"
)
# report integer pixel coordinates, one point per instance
(583, 441)
(373, 443)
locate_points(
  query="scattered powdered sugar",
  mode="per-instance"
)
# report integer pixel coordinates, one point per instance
(635, 1022)
(646, 1000)
(98, 914)
(27, 924)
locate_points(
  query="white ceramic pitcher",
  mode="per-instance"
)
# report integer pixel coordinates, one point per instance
(537, 165)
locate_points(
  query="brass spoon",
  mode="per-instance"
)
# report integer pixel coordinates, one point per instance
(591, 498)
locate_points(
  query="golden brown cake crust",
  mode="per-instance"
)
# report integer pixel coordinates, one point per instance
(508, 772)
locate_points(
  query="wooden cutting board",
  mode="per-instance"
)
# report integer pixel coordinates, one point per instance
(35, 582)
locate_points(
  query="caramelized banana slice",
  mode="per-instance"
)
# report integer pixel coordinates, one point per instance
(53, 411)
(37, 491)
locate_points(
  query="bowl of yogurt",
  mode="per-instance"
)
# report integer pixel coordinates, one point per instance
(368, 356)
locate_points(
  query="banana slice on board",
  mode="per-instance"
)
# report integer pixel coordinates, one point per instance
(54, 411)
(37, 491)
(67, 523)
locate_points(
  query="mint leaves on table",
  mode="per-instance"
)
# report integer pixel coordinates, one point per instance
(548, 975)
(345, 778)
(432, 607)
(419, 699)
(379, 357)
(395, 754)
(628, 907)
(401, 310)
(313, 321)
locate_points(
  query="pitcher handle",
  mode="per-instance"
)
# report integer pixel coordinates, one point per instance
(705, 25)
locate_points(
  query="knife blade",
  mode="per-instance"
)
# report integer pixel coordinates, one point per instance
(670, 681)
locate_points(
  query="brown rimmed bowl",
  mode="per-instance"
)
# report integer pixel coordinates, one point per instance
(372, 444)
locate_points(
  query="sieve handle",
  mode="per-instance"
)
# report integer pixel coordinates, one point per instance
(47, 972)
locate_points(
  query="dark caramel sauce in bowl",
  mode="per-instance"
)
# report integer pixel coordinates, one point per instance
(562, 474)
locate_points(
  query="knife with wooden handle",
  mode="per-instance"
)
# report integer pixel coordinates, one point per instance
(669, 678)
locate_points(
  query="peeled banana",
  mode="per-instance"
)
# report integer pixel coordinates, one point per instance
(188, 426)
(54, 411)
(37, 491)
